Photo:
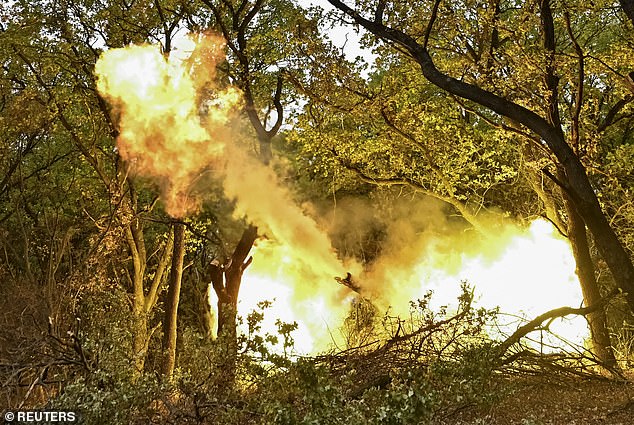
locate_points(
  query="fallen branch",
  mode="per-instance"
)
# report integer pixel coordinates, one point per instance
(556, 313)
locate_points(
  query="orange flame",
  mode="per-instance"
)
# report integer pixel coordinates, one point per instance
(523, 271)
(166, 133)
(170, 134)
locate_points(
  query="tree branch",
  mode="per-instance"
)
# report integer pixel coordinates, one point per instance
(575, 134)
(430, 24)
(378, 13)
(279, 109)
(152, 297)
(529, 327)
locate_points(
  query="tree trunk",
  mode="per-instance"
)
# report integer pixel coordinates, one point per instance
(226, 279)
(136, 244)
(544, 194)
(139, 341)
(171, 304)
(597, 320)
(205, 315)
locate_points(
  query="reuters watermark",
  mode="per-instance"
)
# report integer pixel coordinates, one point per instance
(40, 416)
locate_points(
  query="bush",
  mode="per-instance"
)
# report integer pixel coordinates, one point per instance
(411, 377)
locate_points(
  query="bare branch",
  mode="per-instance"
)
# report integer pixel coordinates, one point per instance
(430, 24)
(279, 109)
(575, 135)
(529, 327)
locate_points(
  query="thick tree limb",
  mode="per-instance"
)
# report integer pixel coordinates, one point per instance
(226, 277)
(610, 117)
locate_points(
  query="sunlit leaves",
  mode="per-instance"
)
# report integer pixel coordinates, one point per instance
(402, 128)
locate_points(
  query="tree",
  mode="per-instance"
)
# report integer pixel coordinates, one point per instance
(495, 85)
(226, 277)
(54, 47)
(173, 296)
(392, 132)
(258, 36)
(488, 92)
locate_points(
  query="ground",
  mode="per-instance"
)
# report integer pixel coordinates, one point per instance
(548, 401)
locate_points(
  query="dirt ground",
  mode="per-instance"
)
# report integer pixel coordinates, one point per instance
(548, 401)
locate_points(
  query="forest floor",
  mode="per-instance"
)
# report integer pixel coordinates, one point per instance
(556, 401)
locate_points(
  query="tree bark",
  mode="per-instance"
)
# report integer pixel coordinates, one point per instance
(171, 304)
(597, 319)
(226, 279)
(577, 184)
(139, 341)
